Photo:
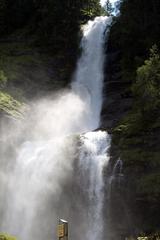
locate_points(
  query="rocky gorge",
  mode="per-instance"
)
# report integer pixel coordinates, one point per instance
(30, 71)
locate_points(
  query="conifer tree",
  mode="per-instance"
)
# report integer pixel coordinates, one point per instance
(108, 7)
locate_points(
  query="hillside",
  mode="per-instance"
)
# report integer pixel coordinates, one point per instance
(39, 47)
(131, 113)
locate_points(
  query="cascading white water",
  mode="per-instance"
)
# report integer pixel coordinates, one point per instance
(32, 184)
(89, 76)
(92, 160)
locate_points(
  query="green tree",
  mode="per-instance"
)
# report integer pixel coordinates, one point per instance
(147, 87)
(137, 30)
(108, 7)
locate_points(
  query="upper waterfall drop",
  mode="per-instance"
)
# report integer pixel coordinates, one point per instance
(88, 78)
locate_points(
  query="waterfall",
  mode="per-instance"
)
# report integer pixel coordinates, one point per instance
(92, 160)
(116, 175)
(47, 158)
(114, 187)
(88, 83)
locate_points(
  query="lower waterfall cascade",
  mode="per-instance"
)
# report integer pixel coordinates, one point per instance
(52, 163)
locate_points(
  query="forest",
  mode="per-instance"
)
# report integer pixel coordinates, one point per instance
(33, 31)
(134, 43)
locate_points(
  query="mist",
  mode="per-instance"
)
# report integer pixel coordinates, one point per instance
(45, 155)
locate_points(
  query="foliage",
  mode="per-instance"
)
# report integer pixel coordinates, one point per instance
(51, 26)
(144, 236)
(137, 137)
(149, 185)
(6, 237)
(52, 17)
(10, 106)
(147, 87)
(155, 236)
(134, 32)
(145, 113)
(108, 7)
(89, 9)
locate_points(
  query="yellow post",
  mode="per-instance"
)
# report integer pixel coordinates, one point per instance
(62, 230)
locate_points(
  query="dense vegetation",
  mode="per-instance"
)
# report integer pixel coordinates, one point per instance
(54, 22)
(6, 237)
(136, 30)
(135, 38)
(39, 46)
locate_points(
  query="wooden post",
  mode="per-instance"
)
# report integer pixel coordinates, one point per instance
(62, 230)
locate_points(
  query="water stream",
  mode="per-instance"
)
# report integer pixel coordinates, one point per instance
(48, 164)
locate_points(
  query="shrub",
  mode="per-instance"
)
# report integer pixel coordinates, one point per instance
(147, 86)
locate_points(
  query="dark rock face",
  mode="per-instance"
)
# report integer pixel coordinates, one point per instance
(132, 206)
(117, 99)
(30, 73)
(117, 102)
